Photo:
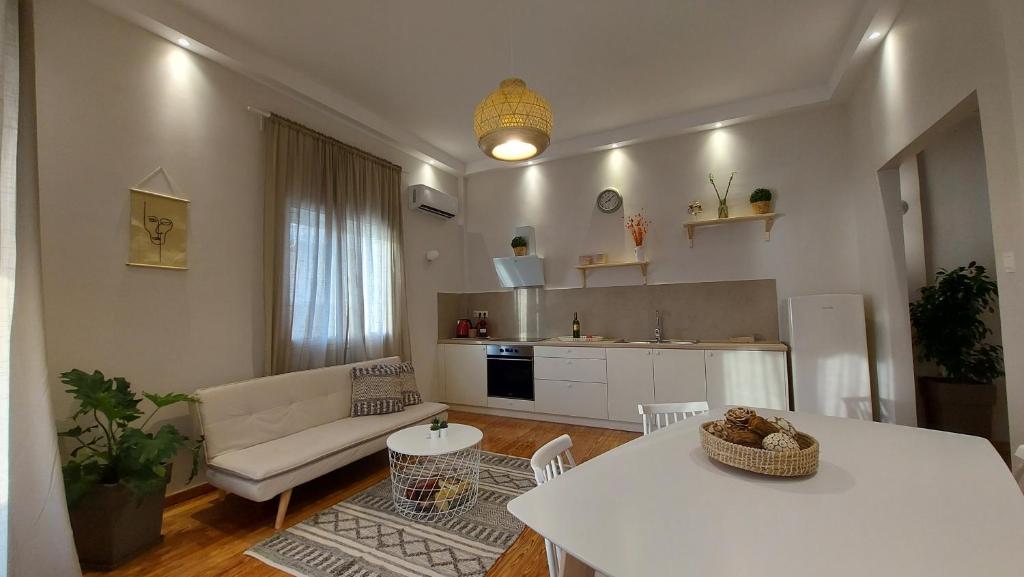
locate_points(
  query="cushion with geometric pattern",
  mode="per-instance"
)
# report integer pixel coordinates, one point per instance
(376, 390)
(410, 392)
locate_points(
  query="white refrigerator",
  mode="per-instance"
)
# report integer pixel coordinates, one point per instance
(829, 353)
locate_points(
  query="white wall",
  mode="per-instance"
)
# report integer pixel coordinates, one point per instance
(936, 54)
(954, 200)
(801, 157)
(114, 103)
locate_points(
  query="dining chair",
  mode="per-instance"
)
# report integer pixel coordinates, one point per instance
(550, 461)
(659, 415)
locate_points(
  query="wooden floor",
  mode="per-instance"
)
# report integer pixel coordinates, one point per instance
(207, 535)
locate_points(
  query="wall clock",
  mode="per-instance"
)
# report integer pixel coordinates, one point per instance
(609, 200)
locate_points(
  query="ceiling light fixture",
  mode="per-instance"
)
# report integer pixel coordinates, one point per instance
(183, 42)
(874, 36)
(718, 125)
(513, 123)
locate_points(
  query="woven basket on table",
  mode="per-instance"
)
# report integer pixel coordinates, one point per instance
(776, 463)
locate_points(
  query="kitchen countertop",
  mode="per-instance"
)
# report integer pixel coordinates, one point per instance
(621, 344)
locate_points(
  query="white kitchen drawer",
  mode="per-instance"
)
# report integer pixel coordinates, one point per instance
(580, 370)
(511, 404)
(571, 398)
(569, 352)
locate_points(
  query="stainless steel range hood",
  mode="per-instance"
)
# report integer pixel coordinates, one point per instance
(520, 271)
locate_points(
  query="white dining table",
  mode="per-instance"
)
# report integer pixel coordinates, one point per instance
(886, 500)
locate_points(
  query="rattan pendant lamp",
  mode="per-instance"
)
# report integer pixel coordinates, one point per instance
(513, 123)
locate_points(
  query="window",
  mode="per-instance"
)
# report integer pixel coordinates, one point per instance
(341, 280)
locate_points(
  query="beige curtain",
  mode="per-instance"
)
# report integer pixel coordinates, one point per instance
(332, 252)
(40, 536)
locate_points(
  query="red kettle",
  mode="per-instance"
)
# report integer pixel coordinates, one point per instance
(462, 329)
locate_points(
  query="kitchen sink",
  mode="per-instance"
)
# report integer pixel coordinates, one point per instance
(663, 342)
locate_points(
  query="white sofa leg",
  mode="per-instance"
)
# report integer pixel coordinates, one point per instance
(282, 508)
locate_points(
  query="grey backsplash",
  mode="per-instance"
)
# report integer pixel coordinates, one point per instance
(706, 311)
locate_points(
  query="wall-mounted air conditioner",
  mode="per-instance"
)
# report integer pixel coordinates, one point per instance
(433, 201)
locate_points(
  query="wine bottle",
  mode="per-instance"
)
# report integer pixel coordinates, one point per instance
(575, 326)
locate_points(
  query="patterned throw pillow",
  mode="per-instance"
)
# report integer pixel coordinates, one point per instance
(410, 392)
(376, 390)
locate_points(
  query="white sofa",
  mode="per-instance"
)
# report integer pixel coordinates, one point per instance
(265, 436)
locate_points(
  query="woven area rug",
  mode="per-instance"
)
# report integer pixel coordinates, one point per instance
(364, 536)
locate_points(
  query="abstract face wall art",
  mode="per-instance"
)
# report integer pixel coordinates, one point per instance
(159, 230)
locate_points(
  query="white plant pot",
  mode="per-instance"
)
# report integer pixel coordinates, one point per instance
(444, 433)
(435, 434)
(641, 253)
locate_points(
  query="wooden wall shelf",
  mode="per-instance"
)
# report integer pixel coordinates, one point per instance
(769, 221)
(584, 269)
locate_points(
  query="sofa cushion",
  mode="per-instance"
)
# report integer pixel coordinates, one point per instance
(376, 390)
(410, 392)
(248, 413)
(280, 455)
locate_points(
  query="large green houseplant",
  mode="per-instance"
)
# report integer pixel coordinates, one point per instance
(950, 331)
(117, 473)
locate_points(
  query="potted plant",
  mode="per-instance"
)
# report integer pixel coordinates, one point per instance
(117, 473)
(761, 201)
(519, 245)
(435, 428)
(637, 226)
(444, 428)
(950, 332)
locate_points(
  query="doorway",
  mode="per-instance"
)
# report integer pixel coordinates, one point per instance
(946, 225)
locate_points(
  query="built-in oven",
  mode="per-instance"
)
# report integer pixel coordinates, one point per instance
(510, 371)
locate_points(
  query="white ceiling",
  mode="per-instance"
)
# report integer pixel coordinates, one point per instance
(413, 71)
(603, 64)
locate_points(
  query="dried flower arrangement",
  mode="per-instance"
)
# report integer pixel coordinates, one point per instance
(695, 208)
(723, 207)
(637, 226)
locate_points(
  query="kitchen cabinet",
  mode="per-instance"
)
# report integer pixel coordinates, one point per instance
(630, 382)
(748, 378)
(679, 376)
(576, 369)
(466, 374)
(573, 398)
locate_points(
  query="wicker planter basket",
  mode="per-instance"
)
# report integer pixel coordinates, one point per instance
(779, 464)
(762, 207)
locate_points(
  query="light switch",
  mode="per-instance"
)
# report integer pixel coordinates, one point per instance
(1009, 262)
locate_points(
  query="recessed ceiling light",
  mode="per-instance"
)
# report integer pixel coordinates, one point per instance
(615, 145)
(432, 161)
(183, 42)
(718, 125)
(530, 163)
(874, 36)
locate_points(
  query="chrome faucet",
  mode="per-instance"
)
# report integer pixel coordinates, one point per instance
(657, 326)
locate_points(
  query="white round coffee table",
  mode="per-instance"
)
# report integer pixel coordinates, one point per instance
(435, 479)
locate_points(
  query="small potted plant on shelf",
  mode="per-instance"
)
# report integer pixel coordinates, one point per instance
(519, 245)
(949, 331)
(117, 473)
(761, 201)
(637, 226)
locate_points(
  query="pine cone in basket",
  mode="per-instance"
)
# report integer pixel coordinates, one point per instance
(744, 437)
(739, 417)
(762, 426)
(717, 429)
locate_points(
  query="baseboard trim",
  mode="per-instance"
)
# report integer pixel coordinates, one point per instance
(582, 421)
(189, 493)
